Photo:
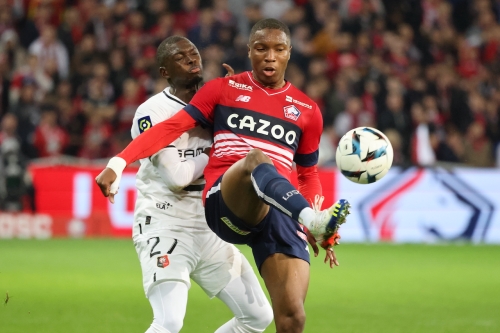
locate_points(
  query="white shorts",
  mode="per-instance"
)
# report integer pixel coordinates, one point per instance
(187, 253)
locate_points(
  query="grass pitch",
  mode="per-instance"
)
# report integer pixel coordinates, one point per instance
(95, 286)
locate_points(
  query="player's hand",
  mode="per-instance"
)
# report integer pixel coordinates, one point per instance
(206, 151)
(330, 255)
(229, 69)
(104, 180)
(328, 245)
(312, 241)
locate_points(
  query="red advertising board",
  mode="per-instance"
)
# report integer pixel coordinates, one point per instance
(69, 203)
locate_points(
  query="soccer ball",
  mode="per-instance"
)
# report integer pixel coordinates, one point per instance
(364, 155)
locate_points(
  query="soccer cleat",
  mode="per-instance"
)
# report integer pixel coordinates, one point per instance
(328, 221)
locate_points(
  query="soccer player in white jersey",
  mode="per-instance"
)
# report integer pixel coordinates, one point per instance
(170, 233)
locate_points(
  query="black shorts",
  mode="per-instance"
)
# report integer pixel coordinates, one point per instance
(277, 233)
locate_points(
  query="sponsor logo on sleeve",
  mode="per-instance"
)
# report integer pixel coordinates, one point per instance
(291, 112)
(144, 123)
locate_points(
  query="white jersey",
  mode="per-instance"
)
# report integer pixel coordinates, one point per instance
(157, 207)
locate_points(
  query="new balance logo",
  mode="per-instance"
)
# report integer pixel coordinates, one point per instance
(290, 99)
(240, 86)
(243, 98)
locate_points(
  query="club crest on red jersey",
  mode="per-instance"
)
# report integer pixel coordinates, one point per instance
(291, 112)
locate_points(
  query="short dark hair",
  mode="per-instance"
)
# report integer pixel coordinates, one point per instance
(163, 50)
(269, 23)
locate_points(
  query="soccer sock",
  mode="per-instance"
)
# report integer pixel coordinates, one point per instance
(154, 328)
(278, 192)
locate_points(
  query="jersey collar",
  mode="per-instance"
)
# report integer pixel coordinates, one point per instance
(167, 93)
(269, 91)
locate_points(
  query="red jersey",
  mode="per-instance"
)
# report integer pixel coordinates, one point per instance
(284, 123)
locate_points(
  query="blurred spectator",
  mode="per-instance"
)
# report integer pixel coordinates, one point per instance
(395, 117)
(71, 30)
(14, 55)
(422, 152)
(100, 25)
(13, 180)
(51, 51)
(425, 72)
(187, 18)
(98, 98)
(477, 147)
(133, 95)
(162, 28)
(31, 73)
(118, 71)
(28, 115)
(50, 139)
(37, 18)
(353, 116)
(275, 8)
(73, 123)
(395, 139)
(4, 86)
(154, 11)
(95, 137)
(205, 32)
(442, 149)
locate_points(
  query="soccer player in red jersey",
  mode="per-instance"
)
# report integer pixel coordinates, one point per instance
(261, 125)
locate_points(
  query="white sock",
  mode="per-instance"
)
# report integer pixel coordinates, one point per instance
(154, 328)
(306, 216)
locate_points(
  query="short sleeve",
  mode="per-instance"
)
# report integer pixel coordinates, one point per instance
(147, 115)
(308, 151)
(202, 106)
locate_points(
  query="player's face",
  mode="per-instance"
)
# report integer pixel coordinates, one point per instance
(183, 64)
(269, 52)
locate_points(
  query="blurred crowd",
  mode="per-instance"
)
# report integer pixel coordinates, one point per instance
(426, 72)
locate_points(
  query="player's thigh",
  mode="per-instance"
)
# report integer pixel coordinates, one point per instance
(238, 192)
(219, 264)
(166, 258)
(287, 280)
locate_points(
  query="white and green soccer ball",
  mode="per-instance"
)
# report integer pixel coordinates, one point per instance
(364, 155)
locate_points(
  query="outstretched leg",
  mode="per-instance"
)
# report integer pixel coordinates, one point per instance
(253, 183)
(250, 185)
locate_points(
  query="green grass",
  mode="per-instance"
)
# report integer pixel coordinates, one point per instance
(95, 286)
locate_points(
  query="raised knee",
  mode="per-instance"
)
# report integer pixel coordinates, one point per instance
(171, 325)
(254, 158)
(262, 319)
(291, 322)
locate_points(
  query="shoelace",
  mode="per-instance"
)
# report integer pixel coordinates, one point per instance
(318, 202)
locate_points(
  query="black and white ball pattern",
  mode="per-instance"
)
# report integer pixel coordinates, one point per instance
(364, 155)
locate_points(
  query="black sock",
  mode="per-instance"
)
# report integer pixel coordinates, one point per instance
(277, 191)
